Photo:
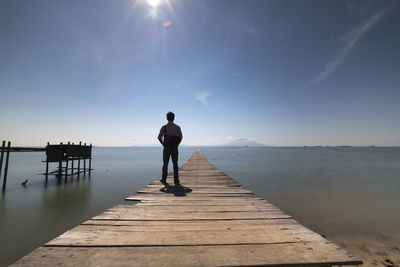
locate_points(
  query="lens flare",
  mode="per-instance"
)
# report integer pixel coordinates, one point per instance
(167, 23)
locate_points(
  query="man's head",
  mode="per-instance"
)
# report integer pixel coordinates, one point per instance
(170, 116)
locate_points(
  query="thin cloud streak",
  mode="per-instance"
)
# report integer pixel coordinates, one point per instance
(202, 96)
(350, 39)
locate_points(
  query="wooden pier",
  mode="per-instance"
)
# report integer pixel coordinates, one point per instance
(211, 220)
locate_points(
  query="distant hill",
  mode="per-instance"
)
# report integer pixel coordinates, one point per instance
(244, 142)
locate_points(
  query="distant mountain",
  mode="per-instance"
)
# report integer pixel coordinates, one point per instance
(244, 142)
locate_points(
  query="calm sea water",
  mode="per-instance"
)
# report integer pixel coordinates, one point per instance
(342, 192)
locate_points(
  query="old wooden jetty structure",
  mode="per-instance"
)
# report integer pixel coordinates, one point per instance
(62, 154)
(68, 154)
(211, 220)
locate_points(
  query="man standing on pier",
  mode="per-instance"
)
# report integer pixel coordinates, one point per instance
(170, 137)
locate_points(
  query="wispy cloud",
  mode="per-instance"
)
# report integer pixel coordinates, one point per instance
(349, 39)
(250, 30)
(202, 96)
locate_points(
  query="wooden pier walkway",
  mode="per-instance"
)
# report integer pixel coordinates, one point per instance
(210, 221)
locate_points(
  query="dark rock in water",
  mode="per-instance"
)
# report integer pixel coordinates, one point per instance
(388, 260)
(388, 263)
(323, 235)
(24, 183)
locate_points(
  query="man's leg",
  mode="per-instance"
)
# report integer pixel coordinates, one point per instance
(166, 154)
(174, 154)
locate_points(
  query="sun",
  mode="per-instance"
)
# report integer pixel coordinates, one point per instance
(154, 3)
(157, 8)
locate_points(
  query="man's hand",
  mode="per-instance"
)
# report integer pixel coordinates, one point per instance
(161, 141)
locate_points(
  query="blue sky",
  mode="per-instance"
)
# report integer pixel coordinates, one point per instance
(276, 72)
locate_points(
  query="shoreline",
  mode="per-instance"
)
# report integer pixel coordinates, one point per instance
(373, 252)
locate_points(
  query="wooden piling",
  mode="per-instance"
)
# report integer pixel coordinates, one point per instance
(60, 162)
(3, 146)
(47, 164)
(84, 162)
(72, 163)
(6, 166)
(90, 159)
(66, 161)
(211, 220)
(79, 161)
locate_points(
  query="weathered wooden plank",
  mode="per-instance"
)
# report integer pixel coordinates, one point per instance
(187, 214)
(288, 228)
(203, 174)
(108, 215)
(198, 181)
(193, 203)
(201, 184)
(198, 224)
(202, 179)
(104, 237)
(190, 208)
(208, 179)
(188, 196)
(198, 190)
(307, 254)
(198, 185)
(194, 199)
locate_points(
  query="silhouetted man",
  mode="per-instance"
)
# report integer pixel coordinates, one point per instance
(170, 137)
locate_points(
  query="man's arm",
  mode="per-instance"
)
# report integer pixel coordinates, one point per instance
(161, 134)
(180, 136)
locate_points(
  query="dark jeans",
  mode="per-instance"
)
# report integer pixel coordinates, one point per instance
(173, 152)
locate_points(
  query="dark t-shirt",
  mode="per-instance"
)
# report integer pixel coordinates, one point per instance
(172, 135)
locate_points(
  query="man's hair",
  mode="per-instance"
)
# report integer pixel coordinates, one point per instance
(170, 116)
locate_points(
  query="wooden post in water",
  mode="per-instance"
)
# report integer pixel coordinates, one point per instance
(90, 159)
(84, 162)
(2, 156)
(6, 166)
(60, 162)
(72, 163)
(47, 164)
(79, 161)
(66, 163)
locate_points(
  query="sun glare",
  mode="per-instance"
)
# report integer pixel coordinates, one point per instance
(153, 3)
(156, 8)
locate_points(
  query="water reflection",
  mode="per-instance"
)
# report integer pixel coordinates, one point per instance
(57, 181)
(66, 195)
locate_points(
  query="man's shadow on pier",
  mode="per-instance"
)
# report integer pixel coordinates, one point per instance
(177, 190)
